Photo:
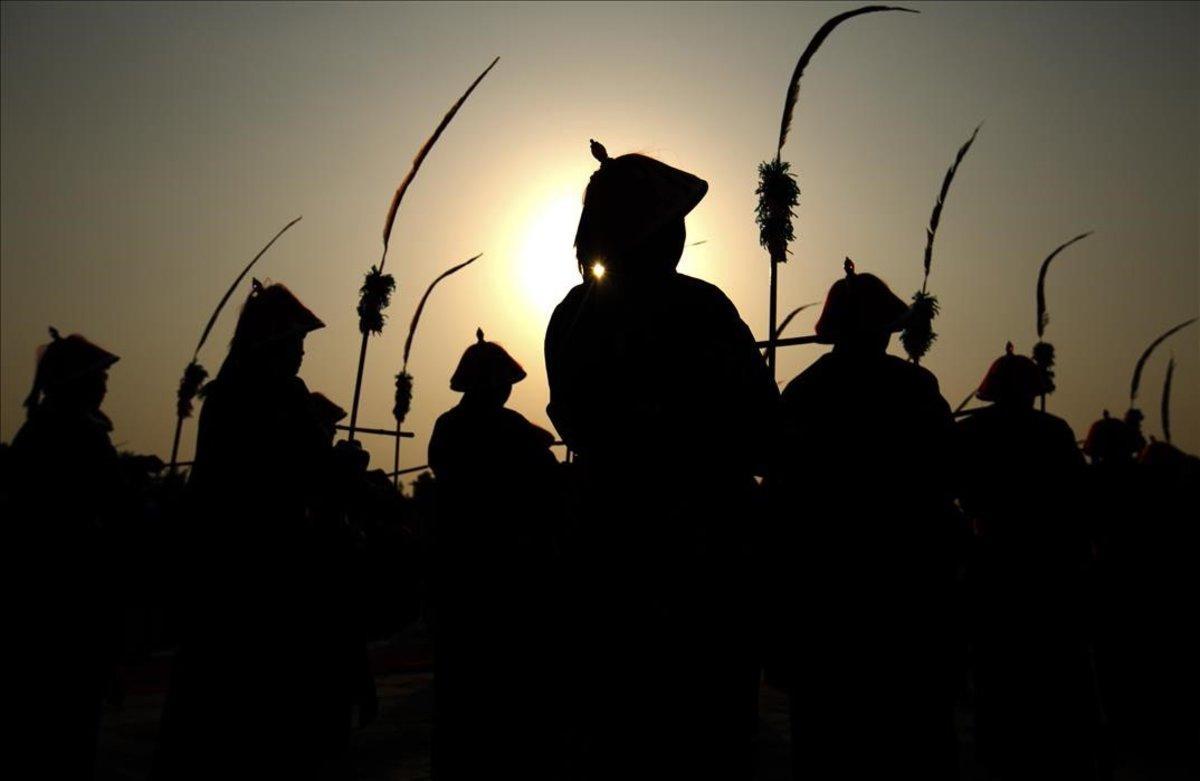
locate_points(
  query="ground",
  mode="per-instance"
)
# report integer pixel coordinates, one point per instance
(396, 746)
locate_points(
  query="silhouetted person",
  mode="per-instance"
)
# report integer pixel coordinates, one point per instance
(1146, 577)
(864, 550)
(657, 387)
(270, 661)
(68, 497)
(1020, 484)
(1165, 717)
(492, 579)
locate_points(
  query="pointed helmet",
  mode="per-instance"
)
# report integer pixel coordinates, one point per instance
(859, 305)
(64, 360)
(627, 200)
(272, 312)
(485, 365)
(1012, 377)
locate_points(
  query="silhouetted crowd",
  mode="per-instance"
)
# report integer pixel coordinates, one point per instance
(849, 540)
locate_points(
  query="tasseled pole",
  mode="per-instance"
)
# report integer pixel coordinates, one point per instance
(777, 193)
(362, 361)
(374, 296)
(772, 317)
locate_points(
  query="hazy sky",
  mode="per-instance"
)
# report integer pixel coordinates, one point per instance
(148, 151)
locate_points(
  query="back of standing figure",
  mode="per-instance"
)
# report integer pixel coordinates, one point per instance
(863, 554)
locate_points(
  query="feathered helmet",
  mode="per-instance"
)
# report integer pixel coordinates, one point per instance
(485, 365)
(859, 304)
(64, 360)
(1111, 438)
(272, 312)
(627, 200)
(1012, 376)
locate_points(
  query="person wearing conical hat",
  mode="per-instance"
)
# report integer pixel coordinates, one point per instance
(1020, 480)
(657, 388)
(1114, 440)
(1141, 500)
(1150, 651)
(268, 669)
(492, 586)
(862, 550)
(67, 489)
(328, 413)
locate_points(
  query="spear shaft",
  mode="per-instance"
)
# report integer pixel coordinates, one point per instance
(175, 444)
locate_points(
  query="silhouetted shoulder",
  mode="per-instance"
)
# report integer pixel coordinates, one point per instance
(570, 304)
(1049, 427)
(535, 435)
(890, 372)
(915, 376)
(706, 296)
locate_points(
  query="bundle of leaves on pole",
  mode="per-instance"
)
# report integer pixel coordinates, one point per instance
(194, 374)
(378, 287)
(918, 335)
(1043, 352)
(778, 192)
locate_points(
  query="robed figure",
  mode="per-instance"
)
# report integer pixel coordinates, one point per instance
(1140, 499)
(270, 660)
(493, 587)
(1020, 478)
(863, 560)
(69, 505)
(658, 389)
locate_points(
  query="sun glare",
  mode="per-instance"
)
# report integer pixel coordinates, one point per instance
(598, 270)
(546, 257)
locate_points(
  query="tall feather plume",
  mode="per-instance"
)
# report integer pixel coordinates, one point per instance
(918, 335)
(1166, 400)
(1043, 352)
(404, 380)
(935, 219)
(1043, 317)
(1141, 364)
(793, 90)
(412, 327)
(422, 154)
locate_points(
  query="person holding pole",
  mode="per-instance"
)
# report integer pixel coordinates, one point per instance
(270, 662)
(658, 389)
(862, 555)
(1020, 484)
(492, 583)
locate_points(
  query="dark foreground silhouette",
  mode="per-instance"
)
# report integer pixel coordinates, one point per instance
(924, 599)
(493, 605)
(642, 363)
(864, 446)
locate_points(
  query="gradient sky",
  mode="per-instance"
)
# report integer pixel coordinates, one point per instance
(147, 152)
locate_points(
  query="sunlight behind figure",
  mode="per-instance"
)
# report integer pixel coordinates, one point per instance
(598, 270)
(543, 260)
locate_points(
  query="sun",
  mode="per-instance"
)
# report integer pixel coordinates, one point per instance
(546, 255)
